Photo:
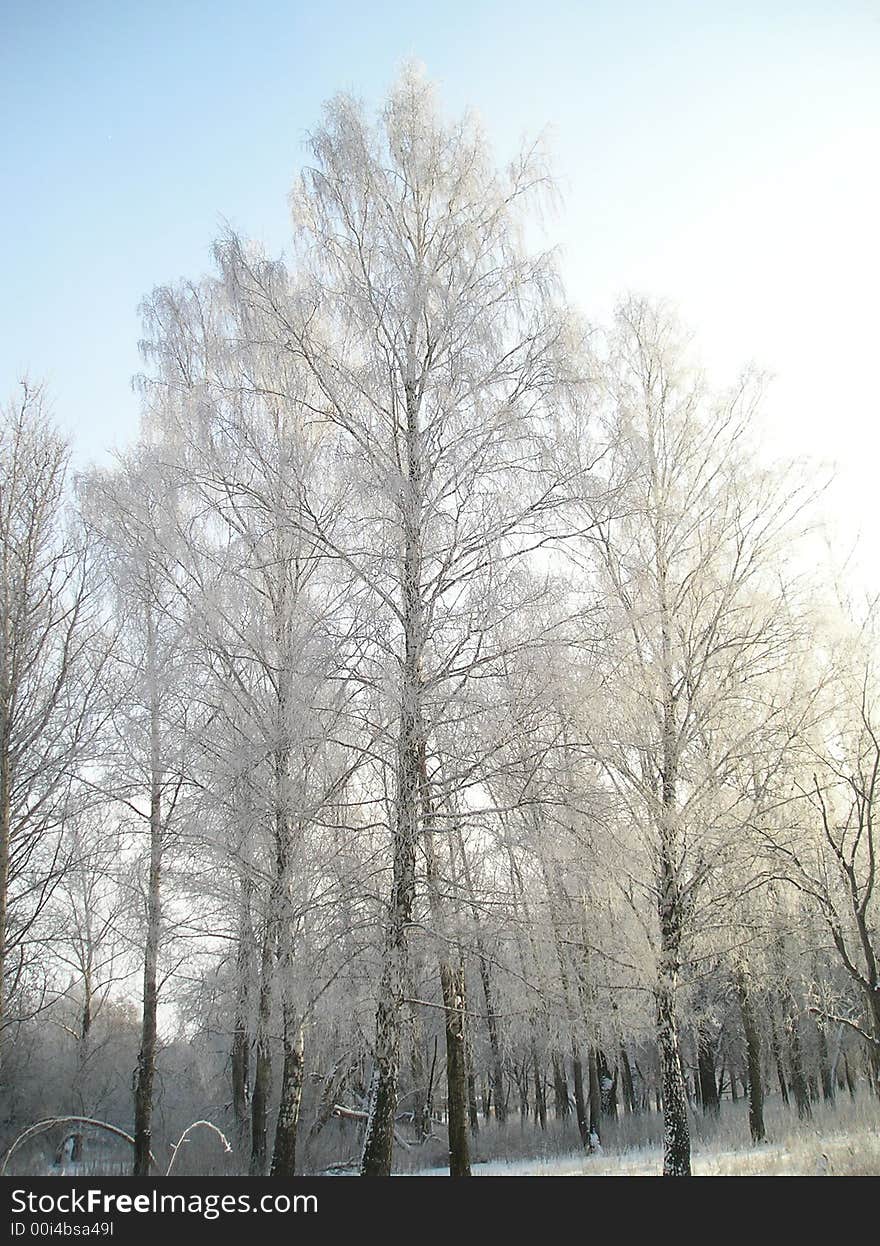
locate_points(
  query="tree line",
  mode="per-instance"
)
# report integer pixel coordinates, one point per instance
(439, 717)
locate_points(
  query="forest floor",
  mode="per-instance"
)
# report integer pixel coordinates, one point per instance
(841, 1140)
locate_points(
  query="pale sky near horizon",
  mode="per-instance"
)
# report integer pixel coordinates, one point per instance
(722, 155)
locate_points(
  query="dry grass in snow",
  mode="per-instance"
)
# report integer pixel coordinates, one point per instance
(841, 1140)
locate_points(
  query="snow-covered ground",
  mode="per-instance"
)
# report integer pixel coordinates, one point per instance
(845, 1155)
(821, 1156)
(843, 1140)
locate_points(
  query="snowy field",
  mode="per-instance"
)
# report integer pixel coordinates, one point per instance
(840, 1141)
(830, 1155)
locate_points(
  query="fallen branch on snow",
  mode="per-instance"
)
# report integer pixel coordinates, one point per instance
(358, 1114)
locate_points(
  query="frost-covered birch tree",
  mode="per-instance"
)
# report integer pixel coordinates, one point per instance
(434, 350)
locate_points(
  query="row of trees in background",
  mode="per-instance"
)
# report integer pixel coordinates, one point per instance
(438, 684)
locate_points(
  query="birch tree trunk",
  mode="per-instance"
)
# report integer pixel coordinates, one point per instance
(676, 1131)
(379, 1133)
(284, 1151)
(146, 1066)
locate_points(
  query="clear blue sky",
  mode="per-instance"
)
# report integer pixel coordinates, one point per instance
(723, 154)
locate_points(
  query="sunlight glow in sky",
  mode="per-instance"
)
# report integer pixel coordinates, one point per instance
(724, 156)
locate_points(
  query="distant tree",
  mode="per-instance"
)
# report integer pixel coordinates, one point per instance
(825, 841)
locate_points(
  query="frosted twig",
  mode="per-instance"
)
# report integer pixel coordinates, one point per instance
(185, 1136)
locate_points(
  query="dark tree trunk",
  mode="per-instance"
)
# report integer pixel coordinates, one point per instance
(873, 994)
(241, 1024)
(777, 1059)
(540, 1095)
(607, 1085)
(453, 992)
(579, 1099)
(473, 1108)
(521, 1077)
(560, 1088)
(595, 1132)
(799, 1085)
(824, 1063)
(240, 1081)
(263, 1071)
(487, 1100)
(146, 1066)
(630, 1105)
(706, 1071)
(496, 1070)
(753, 1057)
(850, 1084)
(428, 1107)
(287, 1122)
(453, 988)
